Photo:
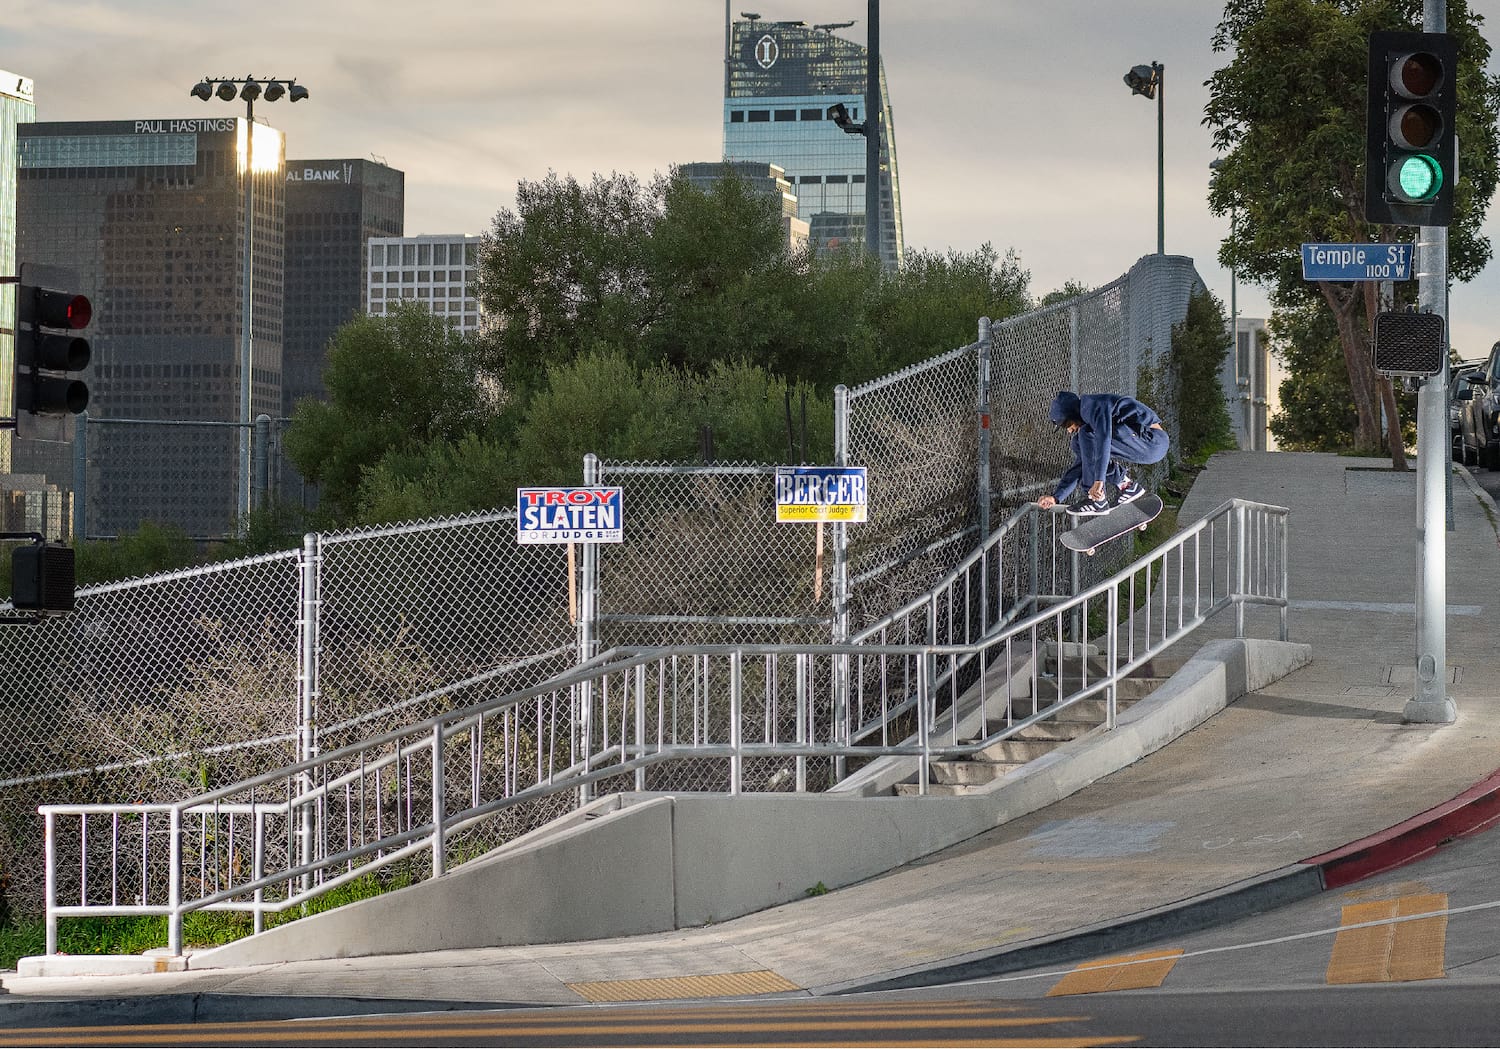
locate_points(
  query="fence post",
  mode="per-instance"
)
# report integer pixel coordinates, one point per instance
(841, 596)
(310, 610)
(984, 428)
(1242, 521)
(588, 637)
(80, 477)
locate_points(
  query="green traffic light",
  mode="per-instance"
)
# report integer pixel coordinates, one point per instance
(1416, 178)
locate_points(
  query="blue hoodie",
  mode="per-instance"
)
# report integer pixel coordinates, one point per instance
(1102, 414)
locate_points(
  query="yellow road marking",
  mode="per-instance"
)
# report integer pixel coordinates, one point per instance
(1127, 972)
(1395, 952)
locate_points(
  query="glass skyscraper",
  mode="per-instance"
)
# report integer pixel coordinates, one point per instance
(16, 107)
(150, 215)
(781, 78)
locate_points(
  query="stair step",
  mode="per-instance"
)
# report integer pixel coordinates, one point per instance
(972, 773)
(951, 790)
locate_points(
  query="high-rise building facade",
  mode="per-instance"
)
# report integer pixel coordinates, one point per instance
(150, 214)
(769, 180)
(439, 271)
(16, 107)
(333, 207)
(781, 78)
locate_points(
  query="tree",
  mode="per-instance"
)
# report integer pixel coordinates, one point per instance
(395, 383)
(1288, 111)
(1199, 347)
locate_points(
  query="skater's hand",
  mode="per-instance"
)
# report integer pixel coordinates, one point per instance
(1046, 502)
(1096, 491)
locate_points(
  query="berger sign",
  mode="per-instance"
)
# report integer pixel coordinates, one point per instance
(569, 515)
(821, 493)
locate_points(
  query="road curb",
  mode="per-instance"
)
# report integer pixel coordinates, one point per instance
(197, 1008)
(1470, 812)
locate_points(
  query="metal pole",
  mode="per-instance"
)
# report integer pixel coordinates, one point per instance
(242, 505)
(262, 461)
(840, 580)
(1430, 704)
(872, 133)
(984, 428)
(80, 477)
(1161, 158)
(310, 582)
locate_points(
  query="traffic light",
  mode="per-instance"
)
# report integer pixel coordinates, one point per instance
(42, 577)
(1411, 157)
(48, 349)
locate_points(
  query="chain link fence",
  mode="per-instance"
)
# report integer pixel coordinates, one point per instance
(160, 688)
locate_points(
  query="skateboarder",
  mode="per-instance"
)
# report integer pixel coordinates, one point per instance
(1105, 430)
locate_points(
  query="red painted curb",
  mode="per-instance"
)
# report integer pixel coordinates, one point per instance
(1473, 810)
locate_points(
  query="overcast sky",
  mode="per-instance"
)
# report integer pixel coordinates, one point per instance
(1013, 125)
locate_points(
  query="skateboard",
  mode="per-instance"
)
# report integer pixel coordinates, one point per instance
(1090, 533)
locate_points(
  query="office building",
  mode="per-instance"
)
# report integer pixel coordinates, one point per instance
(16, 107)
(1251, 386)
(768, 180)
(780, 80)
(438, 271)
(332, 208)
(150, 215)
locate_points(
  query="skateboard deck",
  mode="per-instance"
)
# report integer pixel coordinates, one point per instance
(1090, 533)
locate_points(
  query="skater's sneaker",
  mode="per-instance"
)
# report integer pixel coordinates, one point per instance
(1090, 508)
(1129, 492)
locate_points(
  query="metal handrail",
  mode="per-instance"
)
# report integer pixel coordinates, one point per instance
(627, 713)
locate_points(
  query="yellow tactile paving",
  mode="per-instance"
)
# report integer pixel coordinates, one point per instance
(1395, 952)
(657, 988)
(1127, 972)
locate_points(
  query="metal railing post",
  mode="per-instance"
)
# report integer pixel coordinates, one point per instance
(439, 838)
(926, 675)
(49, 851)
(736, 733)
(1112, 654)
(1242, 518)
(1286, 582)
(174, 882)
(257, 866)
(640, 724)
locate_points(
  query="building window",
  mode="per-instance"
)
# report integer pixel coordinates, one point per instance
(786, 114)
(736, 117)
(812, 114)
(837, 179)
(760, 116)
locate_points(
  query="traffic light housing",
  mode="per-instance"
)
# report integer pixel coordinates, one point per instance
(1411, 158)
(42, 578)
(49, 351)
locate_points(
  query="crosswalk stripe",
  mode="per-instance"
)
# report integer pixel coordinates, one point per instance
(1126, 972)
(1392, 953)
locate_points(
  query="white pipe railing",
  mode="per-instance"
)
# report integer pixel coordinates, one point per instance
(712, 717)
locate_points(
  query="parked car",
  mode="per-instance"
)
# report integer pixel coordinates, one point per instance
(1480, 419)
(1459, 395)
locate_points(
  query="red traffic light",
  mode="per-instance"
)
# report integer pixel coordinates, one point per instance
(60, 309)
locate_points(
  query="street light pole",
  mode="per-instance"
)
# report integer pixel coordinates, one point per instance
(1149, 81)
(872, 132)
(248, 89)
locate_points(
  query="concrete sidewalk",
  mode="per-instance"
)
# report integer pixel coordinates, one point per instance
(1223, 818)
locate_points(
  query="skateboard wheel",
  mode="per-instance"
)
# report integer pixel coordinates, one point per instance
(1142, 528)
(1090, 551)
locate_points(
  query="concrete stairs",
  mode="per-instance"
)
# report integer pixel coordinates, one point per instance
(1064, 677)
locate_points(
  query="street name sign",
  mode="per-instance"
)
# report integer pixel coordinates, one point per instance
(821, 493)
(569, 515)
(1356, 261)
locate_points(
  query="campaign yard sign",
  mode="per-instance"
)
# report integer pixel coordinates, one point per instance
(821, 493)
(569, 515)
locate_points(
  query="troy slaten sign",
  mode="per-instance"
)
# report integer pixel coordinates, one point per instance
(569, 515)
